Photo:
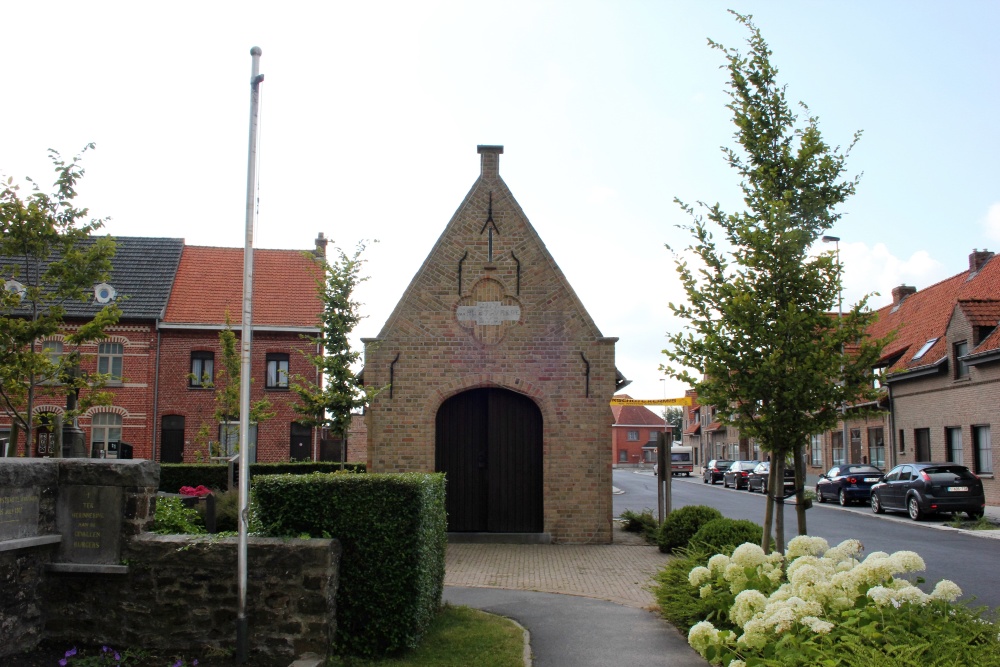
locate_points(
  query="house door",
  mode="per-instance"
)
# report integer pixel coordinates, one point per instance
(489, 445)
(45, 437)
(855, 445)
(172, 439)
(301, 443)
(923, 444)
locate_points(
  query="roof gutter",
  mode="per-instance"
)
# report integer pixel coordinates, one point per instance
(922, 372)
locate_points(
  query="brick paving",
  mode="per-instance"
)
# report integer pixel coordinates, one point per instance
(615, 572)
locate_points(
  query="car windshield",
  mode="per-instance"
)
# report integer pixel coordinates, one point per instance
(748, 465)
(860, 470)
(946, 474)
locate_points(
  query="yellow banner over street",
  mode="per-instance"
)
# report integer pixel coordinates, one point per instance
(658, 401)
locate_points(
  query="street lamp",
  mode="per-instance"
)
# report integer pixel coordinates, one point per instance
(835, 240)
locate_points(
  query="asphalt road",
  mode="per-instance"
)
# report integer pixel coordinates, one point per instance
(969, 560)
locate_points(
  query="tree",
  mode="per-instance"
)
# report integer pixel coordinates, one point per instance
(50, 259)
(674, 417)
(330, 403)
(776, 364)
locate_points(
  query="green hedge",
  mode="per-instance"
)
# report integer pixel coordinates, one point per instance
(681, 524)
(392, 530)
(216, 475)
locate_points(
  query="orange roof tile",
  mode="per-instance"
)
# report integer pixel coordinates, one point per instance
(209, 284)
(634, 415)
(924, 315)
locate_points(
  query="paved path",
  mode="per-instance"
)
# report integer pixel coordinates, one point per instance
(617, 573)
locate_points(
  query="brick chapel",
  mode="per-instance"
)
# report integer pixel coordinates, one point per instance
(496, 375)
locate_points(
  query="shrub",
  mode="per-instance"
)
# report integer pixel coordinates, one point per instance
(392, 531)
(722, 535)
(681, 524)
(174, 517)
(216, 475)
(644, 522)
(680, 602)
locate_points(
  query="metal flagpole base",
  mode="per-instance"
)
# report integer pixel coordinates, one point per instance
(242, 641)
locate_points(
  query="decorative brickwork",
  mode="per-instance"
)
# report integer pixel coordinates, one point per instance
(490, 308)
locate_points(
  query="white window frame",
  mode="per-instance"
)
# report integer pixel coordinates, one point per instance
(816, 453)
(105, 427)
(953, 444)
(110, 358)
(983, 449)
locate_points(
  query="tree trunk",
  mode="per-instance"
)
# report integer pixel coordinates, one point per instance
(765, 542)
(777, 481)
(800, 488)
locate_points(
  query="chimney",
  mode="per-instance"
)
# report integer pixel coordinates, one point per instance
(901, 292)
(321, 242)
(978, 259)
(490, 162)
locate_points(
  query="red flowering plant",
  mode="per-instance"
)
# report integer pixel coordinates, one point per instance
(201, 491)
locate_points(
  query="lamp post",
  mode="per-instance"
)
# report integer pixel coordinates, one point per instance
(835, 240)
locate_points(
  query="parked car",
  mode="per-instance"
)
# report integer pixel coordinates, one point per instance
(926, 488)
(847, 483)
(757, 481)
(738, 473)
(713, 472)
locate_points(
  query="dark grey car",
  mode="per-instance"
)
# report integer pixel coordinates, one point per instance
(714, 470)
(927, 488)
(738, 474)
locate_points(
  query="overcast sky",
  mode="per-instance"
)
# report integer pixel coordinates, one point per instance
(372, 111)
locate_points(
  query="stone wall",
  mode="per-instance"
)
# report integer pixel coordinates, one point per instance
(77, 565)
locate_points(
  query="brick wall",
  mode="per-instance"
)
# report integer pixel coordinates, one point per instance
(537, 355)
(197, 405)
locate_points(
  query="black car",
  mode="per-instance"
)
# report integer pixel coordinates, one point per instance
(847, 483)
(738, 473)
(713, 472)
(757, 481)
(926, 488)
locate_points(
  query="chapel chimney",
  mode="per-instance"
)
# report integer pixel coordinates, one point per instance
(490, 161)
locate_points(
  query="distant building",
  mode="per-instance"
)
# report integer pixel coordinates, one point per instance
(633, 434)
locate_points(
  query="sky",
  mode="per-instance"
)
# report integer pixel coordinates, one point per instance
(607, 110)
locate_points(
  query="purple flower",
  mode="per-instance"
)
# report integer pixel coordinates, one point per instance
(70, 653)
(104, 649)
(118, 657)
(178, 663)
(62, 662)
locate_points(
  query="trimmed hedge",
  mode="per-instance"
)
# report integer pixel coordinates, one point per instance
(392, 531)
(723, 535)
(681, 524)
(216, 475)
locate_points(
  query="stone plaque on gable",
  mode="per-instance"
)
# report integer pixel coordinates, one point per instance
(18, 512)
(89, 518)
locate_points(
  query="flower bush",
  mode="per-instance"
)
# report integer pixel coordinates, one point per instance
(817, 605)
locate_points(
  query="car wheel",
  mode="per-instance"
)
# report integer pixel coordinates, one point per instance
(819, 496)
(975, 514)
(877, 504)
(913, 507)
(842, 497)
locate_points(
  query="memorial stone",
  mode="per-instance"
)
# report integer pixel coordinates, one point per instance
(90, 521)
(18, 512)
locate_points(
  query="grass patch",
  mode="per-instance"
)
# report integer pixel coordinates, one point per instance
(457, 637)
(982, 523)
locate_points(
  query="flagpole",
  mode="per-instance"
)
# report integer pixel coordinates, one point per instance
(242, 638)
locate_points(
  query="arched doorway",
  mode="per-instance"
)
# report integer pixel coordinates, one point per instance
(489, 444)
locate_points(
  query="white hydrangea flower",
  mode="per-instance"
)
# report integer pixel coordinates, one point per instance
(800, 562)
(702, 635)
(907, 561)
(947, 591)
(754, 634)
(699, 575)
(748, 555)
(817, 625)
(875, 555)
(910, 594)
(717, 563)
(736, 576)
(705, 591)
(737, 663)
(746, 605)
(848, 550)
(880, 595)
(804, 545)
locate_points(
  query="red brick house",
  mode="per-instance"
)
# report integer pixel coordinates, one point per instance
(140, 284)
(633, 434)
(208, 289)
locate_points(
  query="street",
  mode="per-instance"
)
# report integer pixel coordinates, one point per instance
(967, 559)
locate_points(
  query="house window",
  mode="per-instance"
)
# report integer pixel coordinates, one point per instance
(817, 451)
(277, 371)
(109, 360)
(983, 449)
(52, 349)
(632, 436)
(649, 455)
(837, 441)
(876, 447)
(902, 441)
(922, 440)
(961, 367)
(202, 369)
(229, 439)
(953, 444)
(105, 427)
(878, 374)
(622, 456)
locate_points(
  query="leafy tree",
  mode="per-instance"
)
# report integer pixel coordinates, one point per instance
(50, 259)
(758, 324)
(674, 417)
(330, 403)
(227, 392)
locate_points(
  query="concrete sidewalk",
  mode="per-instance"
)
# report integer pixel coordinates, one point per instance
(583, 605)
